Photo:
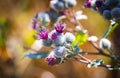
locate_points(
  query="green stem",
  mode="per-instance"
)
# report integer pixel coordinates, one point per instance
(111, 28)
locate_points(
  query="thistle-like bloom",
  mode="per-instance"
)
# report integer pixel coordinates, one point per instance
(54, 36)
(51, 59)
(60, 51)
(43, 34)
(60, 40)
(34, 22)
(59, 28)
(69, 37)
(98, 3)
(87, 4)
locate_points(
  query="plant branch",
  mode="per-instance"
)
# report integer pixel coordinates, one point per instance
(111, 28)
(99, 50)
(91, 53)
(87, 61)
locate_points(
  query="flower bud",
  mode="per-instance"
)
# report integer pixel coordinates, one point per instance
(53, 15)
(98, 3)
(60, 51)
(111, 3)
(56, 5)
(92, 38)
(44, 18)
(102, 8)
(69, 37)
(107, 14)
(60, 40)
(68, 45)
(87, 4)
(105, 43)
(47, 42)
(115, 13)
(54, 36)
(51, 59)
(70, 3)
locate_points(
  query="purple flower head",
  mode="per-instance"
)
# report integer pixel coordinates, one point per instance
(51, 59)
(99, 3)
(54, 36)
(87, 4)
(43, 34)
(59, 28)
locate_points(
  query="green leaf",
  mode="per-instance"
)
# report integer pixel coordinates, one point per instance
(70, 54)
(76, 49)
(80, 38)
(36, 55)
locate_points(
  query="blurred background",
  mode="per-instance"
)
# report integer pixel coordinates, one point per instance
(16, 38)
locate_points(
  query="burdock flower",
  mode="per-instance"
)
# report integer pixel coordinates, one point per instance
(87, 4)
(57, 38)
(54, 36)
(60, 51)
(43, 34)
(98, 3)
(60, 40)
(59, 28)
(51, 59)
(34, 22)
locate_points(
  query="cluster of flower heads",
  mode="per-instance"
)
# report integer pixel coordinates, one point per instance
(62, 42)
(66, 45)
(109, 9)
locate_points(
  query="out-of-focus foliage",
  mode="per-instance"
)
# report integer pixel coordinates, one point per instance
(81, 38)
(4, 29)
(36, 55)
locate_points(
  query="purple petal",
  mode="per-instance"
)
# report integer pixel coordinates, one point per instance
(88, 4)
(43, 34)
(34, 24)
(54, 36)
(51, 61)
(59, 28)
